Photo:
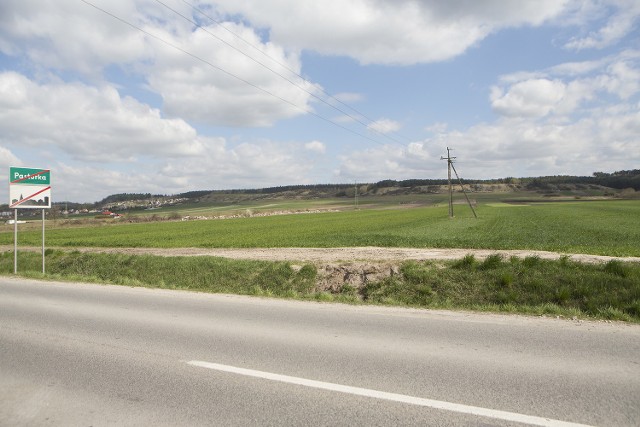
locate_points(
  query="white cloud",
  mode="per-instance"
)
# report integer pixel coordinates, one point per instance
(70, 35)
(400, 32)
(73, 122)
(384, 126)
(227, 87)
(63, 100)
(7, 159)
(530, 98)
(573, 118)
(607, 140)
(622, 79)
(88, 123)
(202, 74)
(618, 25)
(419, 159)
(242, 166)
(220, 166)
(316, 147)
(565, 88)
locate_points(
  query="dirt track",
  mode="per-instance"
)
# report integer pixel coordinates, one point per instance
(340, 255)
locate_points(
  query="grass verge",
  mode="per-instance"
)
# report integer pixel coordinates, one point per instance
(204, 274)
(529, 286)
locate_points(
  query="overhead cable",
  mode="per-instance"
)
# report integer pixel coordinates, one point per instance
(295, 73)
(196, 57)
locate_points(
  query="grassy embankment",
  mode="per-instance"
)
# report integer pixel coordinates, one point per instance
(530, 285)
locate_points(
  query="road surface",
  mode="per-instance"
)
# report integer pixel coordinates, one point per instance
(80, 354)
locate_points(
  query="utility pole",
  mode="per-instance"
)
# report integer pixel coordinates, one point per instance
(356, 195)
(449, 160)
(450, 166)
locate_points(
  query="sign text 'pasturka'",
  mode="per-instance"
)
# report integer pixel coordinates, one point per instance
(29, 188)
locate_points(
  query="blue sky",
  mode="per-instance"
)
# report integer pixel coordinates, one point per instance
(256, 95)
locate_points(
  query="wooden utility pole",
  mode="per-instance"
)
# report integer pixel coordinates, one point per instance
(450, 166)
(356, 195)
(449, 160)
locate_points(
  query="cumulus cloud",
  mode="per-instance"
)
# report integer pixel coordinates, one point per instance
(225, 86)
(623, 21)
(88, 123)
(242, 165)
(63, 99)
(204, 74)
(572, 118)
(565, 88)
(419, 159)
(383, 32)
(221, 165)
(98, 126)
(530, 98)
(511, 147)
(70, 35)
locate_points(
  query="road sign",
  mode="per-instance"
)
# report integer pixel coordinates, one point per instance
(29, 188)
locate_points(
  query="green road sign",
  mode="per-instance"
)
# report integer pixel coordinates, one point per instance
(29, 188)
(29, 176)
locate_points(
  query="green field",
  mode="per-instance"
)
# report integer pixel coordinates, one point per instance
(590, 227)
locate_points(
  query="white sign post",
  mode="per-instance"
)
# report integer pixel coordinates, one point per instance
(29, 188)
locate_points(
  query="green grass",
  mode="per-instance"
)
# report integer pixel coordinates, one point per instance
(206, 274)
(529, 286)
(604, 228)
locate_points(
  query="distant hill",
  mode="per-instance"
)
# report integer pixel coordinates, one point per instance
(616, 181)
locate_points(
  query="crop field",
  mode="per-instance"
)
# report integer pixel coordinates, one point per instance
(589, 227)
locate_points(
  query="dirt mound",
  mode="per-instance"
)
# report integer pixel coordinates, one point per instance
(333, 277)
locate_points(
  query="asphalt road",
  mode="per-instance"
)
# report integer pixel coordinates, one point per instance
(78, 354)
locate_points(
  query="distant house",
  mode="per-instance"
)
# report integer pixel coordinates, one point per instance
(107, 212)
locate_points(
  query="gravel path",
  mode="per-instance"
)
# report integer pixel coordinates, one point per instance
(340, 255)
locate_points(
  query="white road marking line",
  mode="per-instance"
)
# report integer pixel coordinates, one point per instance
(436, 404)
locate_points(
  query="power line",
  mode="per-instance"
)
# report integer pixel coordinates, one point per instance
(197, 9)
(286, 67)
(186, 52)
